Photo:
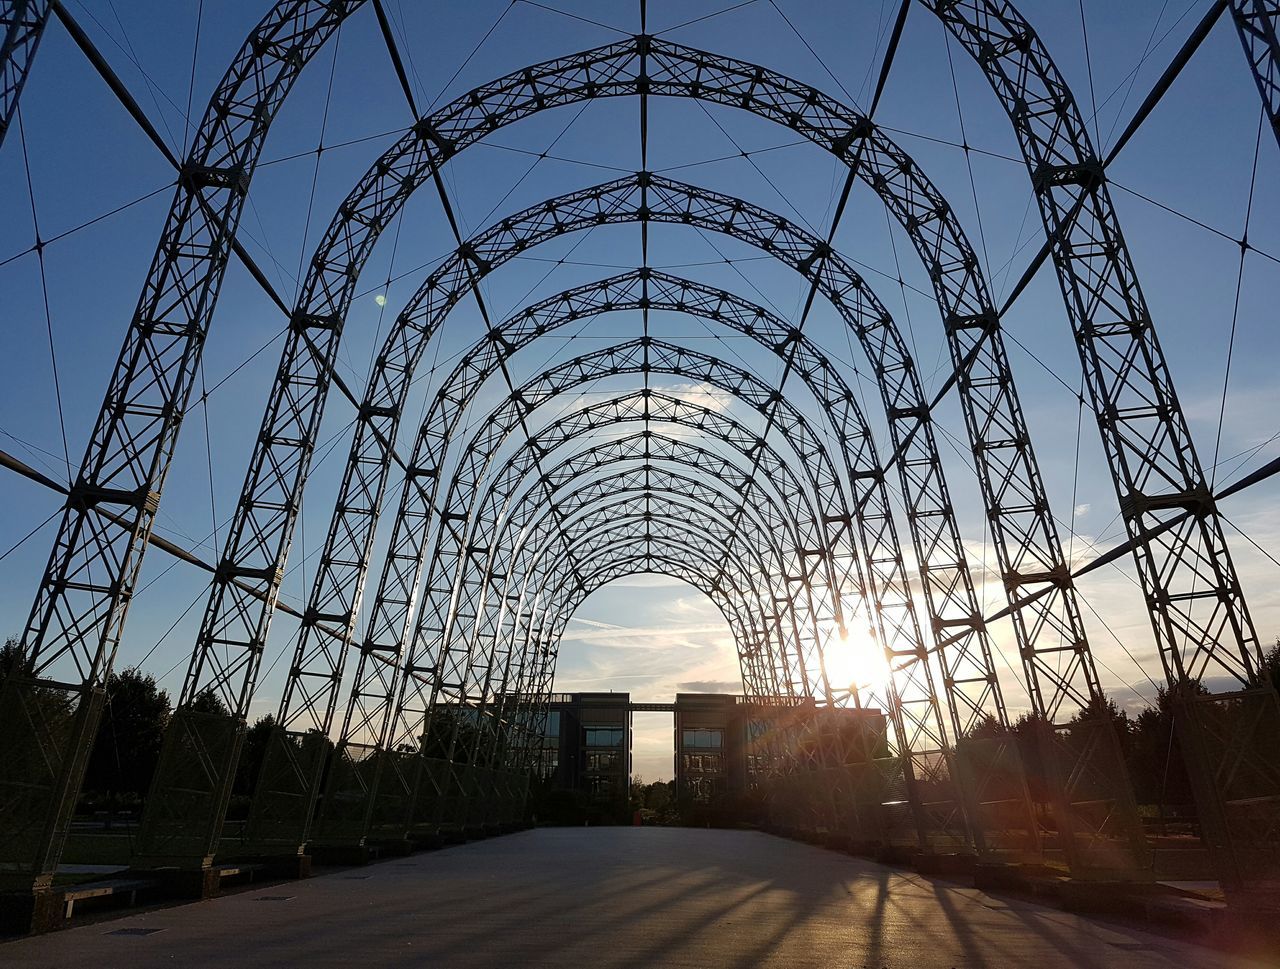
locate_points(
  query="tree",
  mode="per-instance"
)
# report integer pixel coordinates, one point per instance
(127, 746)
(208, 701)
(1271, 665)
(252, 754)
(11, 656)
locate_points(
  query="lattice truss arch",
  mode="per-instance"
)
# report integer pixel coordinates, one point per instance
(665, 201)
(131, 446)
(374, 691)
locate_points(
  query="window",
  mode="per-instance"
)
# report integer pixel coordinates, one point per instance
(552, 728)
(548, 762)
(606, 760)
(702, 788)
(702, 737)
(705, 763)
(604, 736)
(601, 786)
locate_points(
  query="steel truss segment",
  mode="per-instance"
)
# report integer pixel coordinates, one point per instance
(1258, 23)
(972, 676)
(1201, 622)
(368, 708)
(942, 813)
(643, 498)
(1198, 611)
(447, 599)
(912, 700)
(22, 24)
(1026, 543)
(541, 649)
(375, 690)
(949, 585)
(1013, 491)
(825, 538)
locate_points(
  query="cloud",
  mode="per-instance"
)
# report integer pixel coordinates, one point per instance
(1082, 509)
(710, 686)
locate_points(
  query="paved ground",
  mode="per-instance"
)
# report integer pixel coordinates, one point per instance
(615, 897)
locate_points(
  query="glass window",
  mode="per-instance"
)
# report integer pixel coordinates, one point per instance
(604, 736)
(553, 724)
(703, 737)
(601, 785)
(702, 763)
(605, 760)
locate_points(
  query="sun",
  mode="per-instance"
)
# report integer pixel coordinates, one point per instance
(854, 661)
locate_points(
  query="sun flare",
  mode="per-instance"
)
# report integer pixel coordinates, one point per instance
(854, 660)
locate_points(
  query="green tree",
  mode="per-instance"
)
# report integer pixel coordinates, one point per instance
(252, 754)
(11, 656)
(127, 746)
(208, 701)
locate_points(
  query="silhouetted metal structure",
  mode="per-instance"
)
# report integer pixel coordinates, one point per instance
(797, 547)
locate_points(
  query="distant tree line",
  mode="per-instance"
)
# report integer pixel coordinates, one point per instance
(127, 747)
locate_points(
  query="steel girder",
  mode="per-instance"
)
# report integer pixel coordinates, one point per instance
(21, 27)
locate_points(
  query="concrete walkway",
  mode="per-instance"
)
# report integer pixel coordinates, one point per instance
(614, 897)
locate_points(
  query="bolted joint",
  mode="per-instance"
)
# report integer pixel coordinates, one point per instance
(1086, 174)
(195, 178)
(84, 495)
(368, 410)
(301, 322)
(468, 252)
(987, 322)
(860, 130)
(428, 135)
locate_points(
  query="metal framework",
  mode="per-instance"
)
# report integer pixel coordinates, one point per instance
(21, 27)
(1258, 23)
(1198, 611)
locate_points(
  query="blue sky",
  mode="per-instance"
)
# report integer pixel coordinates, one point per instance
(648, 635)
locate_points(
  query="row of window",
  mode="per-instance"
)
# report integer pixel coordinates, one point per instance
(702, 737)
(605, 736)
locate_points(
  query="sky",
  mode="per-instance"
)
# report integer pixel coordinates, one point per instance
(1182, 189)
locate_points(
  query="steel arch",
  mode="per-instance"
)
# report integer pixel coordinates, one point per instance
(933, 821)
(375, 689)
(311, 22)
(666, 68)
(912, 700)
